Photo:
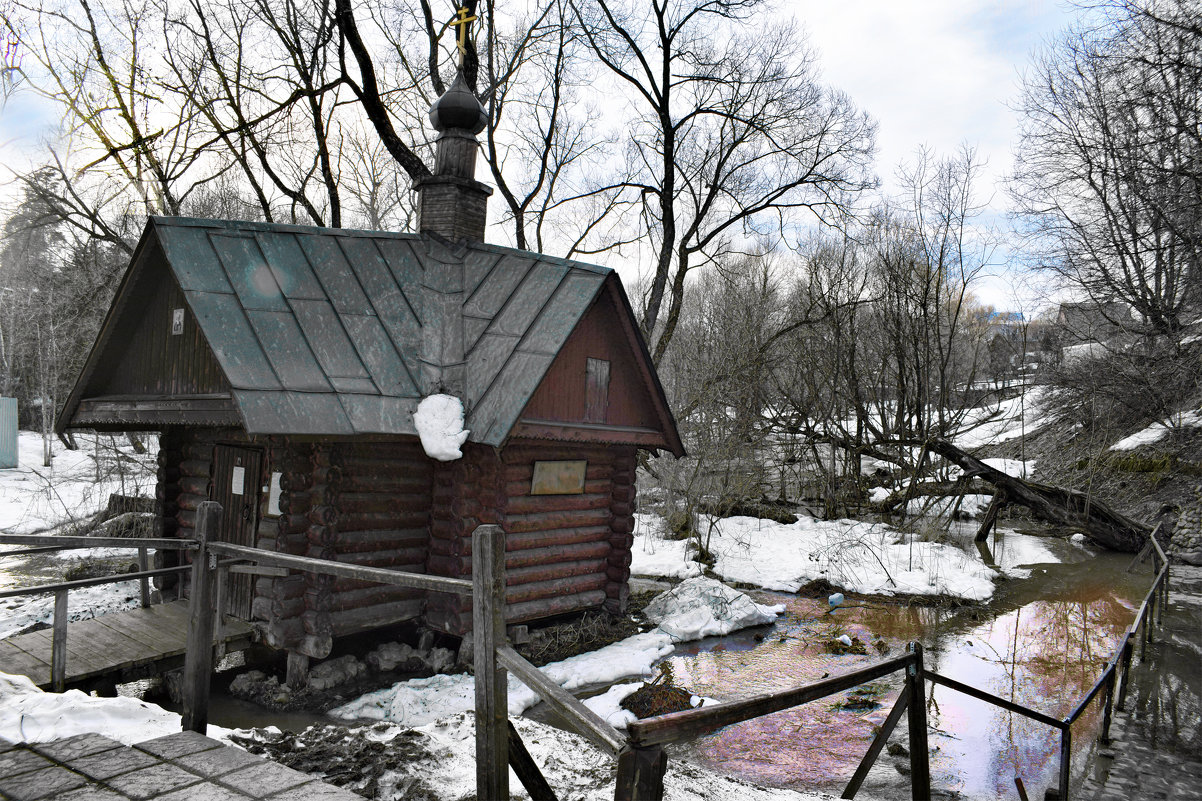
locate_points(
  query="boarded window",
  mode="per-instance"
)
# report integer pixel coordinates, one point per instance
(596, 399)
(559, 478)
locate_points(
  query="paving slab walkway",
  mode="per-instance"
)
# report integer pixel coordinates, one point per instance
(178, 767)
(1156, 745)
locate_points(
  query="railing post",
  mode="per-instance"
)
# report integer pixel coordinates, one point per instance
(143, 583)
(58, 646)
(198, 661)
(920, 767)
(1107, 705)
(488, 631)
(1066, 746)
(641, 774)
(1126, 662)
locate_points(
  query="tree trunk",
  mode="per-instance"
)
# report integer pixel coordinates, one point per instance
(1057, 505)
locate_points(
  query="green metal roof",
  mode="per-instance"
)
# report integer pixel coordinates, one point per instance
(331, 331)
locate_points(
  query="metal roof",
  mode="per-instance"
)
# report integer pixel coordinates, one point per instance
(331, 331)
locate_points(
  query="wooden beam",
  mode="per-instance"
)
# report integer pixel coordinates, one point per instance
(328, 568)
(527, 769)
(198, 663)
(488, 632)
(584, 720)
(691, 723)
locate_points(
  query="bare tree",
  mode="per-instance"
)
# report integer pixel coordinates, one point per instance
(1108, 177)
(728, 135)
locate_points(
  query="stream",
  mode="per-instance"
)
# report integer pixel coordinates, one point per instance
(1041, 641)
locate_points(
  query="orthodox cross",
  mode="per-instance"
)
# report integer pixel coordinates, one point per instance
(462, 21)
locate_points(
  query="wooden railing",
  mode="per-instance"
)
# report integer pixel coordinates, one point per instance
(40, 544)
(498, 745)
(641, 767)
(641, 759)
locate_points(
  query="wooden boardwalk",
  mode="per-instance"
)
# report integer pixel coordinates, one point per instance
(121, 646)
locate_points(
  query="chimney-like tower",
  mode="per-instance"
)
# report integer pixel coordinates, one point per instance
(452, 203)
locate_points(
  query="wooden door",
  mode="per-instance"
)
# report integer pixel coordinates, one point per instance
(237, 477)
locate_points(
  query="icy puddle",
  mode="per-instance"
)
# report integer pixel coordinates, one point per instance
(1041, 642)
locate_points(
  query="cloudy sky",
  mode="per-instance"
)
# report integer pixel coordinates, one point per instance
(939, 73)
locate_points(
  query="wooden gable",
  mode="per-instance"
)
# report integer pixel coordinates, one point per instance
(601, 386)
(151, 365)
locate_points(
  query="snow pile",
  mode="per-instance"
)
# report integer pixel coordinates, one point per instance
(1158, 431)
(701, 607)
(439, 423)
(28, 715)
(441, 758)
(39, 498)
(868, 558)
(420, 701)
(879, 494)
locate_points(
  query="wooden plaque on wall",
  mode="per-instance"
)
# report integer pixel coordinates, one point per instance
(558, 478)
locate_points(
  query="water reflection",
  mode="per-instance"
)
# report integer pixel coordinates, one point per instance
(1041, 642)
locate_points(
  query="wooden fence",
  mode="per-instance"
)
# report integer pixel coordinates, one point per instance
(61, 590)
(641, 759)
(641, 776)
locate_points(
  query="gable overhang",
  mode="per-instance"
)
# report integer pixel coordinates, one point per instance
(664, 436)
(137, 412)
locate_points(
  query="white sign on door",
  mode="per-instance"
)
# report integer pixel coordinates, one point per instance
(239, 482)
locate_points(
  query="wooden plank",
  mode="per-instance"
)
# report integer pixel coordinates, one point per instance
(585, 721)
(15, 661)
(101, 638)
(82, 662)
(691, 723)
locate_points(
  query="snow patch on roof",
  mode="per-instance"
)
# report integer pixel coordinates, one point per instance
(439, 423)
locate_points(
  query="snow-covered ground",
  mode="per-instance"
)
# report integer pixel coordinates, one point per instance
(1158, 431)
(869, 558)
(35, 499)
(695, 609)
(445, 767)
(1003, 421)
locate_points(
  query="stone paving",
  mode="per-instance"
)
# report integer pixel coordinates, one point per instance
(178, 767)
(1156, 745)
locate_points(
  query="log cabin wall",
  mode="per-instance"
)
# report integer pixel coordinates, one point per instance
(375, 511)
(167, 492)
(623, 504)
(558, 546)
(280, 602)
(465, 494)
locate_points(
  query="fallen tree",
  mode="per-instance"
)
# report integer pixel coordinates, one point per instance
(1064, 507)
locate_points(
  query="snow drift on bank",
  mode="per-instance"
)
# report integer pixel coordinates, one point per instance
(868, 558)
(28, 715)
